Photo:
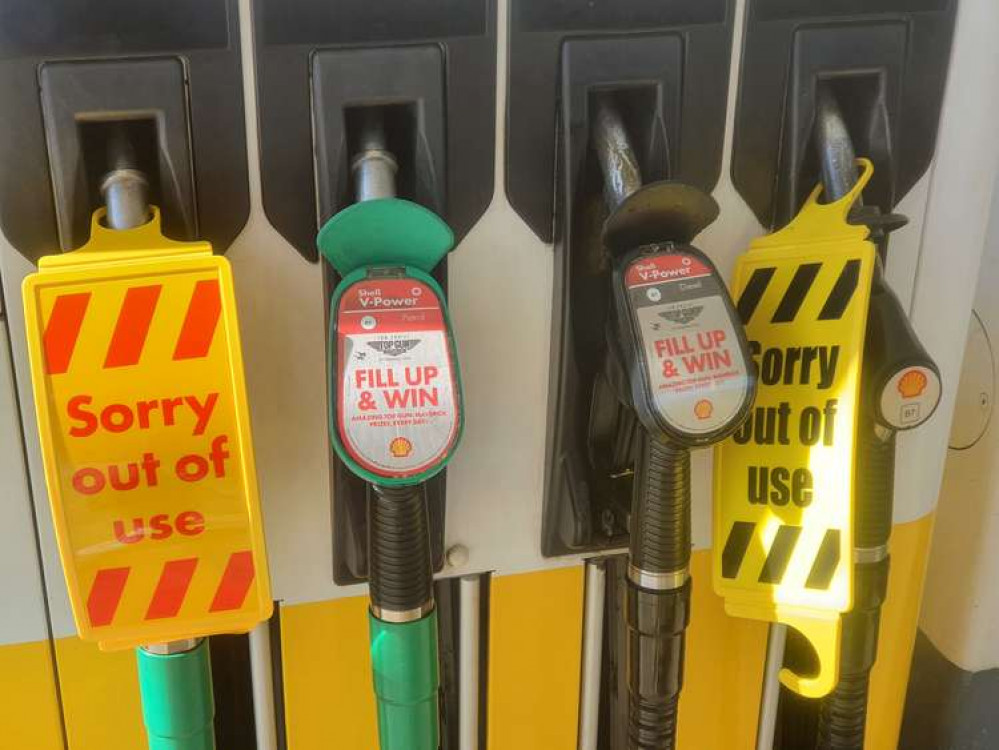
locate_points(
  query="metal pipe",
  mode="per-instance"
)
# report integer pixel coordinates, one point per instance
(622, 175)
(374, 167)
(262, 682)
(469, 654)
(593, 642)
(124, 188)
(770, 699)
(126, 197)
(836, 155)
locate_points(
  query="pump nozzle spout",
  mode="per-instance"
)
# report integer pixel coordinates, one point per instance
(124, 187)
(618, 163)
(374, 167)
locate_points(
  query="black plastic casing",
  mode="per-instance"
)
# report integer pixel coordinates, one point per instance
(632, 355)
(887, 62)
(317, 60)
(666, 64)
(67, 67)
(678, 52)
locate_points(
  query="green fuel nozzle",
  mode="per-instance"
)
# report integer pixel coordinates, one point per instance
(389, 327)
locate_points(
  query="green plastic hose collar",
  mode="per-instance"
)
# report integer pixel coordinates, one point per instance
(178, 707)
(405, 671)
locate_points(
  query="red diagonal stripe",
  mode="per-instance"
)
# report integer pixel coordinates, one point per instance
(171, 589)
(235, 583)
(202, 318)
(102, 602)
(62, 330)
(133, 325)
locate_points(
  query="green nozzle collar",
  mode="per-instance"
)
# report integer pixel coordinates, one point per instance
(385, 231)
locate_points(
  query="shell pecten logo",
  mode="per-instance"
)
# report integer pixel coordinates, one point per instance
(912, 384)
(703, 409)
(400, 447)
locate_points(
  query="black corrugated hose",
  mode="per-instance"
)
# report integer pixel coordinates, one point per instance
(658, 617)
(399, 557)
(843, 713)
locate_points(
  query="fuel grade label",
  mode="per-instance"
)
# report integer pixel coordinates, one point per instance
(693, 363)
(397, 404)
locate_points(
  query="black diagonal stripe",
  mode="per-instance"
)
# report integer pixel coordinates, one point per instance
(780, 554)
(735, 548)
(796, 292)
(826, 562)
(753, 293)
(842, 292)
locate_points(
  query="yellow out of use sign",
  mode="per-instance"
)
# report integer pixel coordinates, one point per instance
(145, 434)
(783, 521)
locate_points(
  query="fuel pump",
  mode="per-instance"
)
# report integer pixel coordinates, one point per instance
(395, 400)
(900, 390)
(679, 359)
(153, 497)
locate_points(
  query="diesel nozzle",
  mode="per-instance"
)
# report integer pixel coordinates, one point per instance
(672, 321)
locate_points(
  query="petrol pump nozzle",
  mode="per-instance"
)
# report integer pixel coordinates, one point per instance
(672, 322)
(900, 389)
(387, 306)
(175, 678)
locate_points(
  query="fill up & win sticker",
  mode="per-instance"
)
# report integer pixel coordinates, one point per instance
(398, 403)
(694, 366)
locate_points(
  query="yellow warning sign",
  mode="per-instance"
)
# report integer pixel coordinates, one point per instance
(138, 383)
(783, 533)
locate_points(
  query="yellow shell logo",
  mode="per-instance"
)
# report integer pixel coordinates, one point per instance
(912, 384)
(703, 409)
(400, 447)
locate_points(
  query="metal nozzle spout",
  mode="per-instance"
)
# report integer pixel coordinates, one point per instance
(125, 189)
(836, 154)
(622, 175)
(374, 167)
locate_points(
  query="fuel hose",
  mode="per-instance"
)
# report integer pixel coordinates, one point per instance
(403, 621)
(658, 594)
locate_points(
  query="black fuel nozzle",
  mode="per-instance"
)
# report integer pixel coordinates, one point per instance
(681, 363)
(900, 390)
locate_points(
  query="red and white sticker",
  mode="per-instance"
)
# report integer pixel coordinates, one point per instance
(397, 403)
(695, 367)
(910, 397)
